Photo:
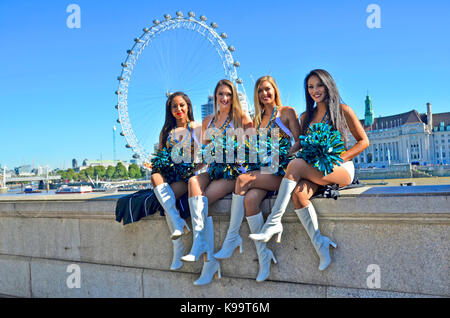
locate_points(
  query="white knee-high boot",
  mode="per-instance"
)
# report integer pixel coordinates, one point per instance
(233, 240)
(166, 198)
(211, 266)
(178, 248)
(265, 255)
(321, 244)
(199, 212)
(273, 223)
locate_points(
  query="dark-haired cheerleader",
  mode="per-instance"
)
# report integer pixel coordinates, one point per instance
(219, 180)
(179, 134)
(321, 160)
(252, 187)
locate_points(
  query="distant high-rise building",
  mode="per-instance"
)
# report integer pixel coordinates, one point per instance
(208, 108)
(74, 163)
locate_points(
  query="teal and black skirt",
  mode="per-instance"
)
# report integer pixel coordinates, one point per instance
(163, 164)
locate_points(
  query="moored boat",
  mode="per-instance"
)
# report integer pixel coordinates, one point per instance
(74, 189)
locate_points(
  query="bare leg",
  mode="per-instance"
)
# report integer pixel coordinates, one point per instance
(218, 189)
(299, 169)
(179, 188)
(256, 179)
(252, 201)
(157, 179)
(197, 184)
(254, 186)
(302, 193)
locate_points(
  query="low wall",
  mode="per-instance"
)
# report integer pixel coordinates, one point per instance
(392, 242)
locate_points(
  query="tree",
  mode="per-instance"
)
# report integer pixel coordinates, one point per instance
(90, 171)
(71, 174)
(99, 171)
(110, 172)
(120, 172)
(134, 171)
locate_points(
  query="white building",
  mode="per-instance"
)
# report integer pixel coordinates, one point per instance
(411, 137)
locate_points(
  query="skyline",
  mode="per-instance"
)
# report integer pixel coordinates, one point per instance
(58, 99)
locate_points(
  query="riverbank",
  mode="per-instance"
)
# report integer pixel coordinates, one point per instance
(397, 182)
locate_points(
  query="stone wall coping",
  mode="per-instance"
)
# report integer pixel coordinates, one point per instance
(362, 203)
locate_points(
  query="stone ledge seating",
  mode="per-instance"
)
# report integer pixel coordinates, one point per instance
(402, 230)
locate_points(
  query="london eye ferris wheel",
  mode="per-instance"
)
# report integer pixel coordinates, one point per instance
(182, 54)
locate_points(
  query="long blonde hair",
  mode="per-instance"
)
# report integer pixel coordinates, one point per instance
(258, 108)
(236, 108)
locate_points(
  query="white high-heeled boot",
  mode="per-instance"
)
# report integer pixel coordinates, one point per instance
(178, 248)
(166, 198)
(321, 244)
(265, 255)
(211, 266)
(198, 206)
(233, 240)
(273, 223)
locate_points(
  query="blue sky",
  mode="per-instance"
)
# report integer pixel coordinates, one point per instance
(57, 98)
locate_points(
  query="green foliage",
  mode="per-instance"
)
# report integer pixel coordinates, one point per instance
(119, 172)
(134, 172)
(110, 172)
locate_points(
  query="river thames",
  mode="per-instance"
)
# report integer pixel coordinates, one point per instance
(370, 183)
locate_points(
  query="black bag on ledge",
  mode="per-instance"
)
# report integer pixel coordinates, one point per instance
(331, 191)
(133, 207)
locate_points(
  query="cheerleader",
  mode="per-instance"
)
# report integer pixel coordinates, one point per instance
(302, 178)
(218, 181)
(252, 187)
(169, 179)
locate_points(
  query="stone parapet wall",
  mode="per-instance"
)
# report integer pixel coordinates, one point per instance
(401, 235)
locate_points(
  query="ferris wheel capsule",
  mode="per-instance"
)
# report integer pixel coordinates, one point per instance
(122, 134)
(118, 121)
(214, 25)
(146, 30)
(117, 106)
(127, 146)
(156, 22)
(124, 65)
(223, 35)
(120, 78)
(237, 64)
(179, 14)
(203, 18)
(130, 52)
(118, 92)
(191, 14)
(136, 156)
(239, 81)
(231, 48)
(137, 40)
(167, 17)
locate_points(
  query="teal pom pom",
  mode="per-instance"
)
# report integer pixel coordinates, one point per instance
(322, 147)
(224, 170)
(282, 151)
(163, 164)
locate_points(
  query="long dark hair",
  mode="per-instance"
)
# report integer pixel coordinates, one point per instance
(332, 101)
(171, 122)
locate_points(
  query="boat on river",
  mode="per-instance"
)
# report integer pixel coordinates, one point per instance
(74, 189)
